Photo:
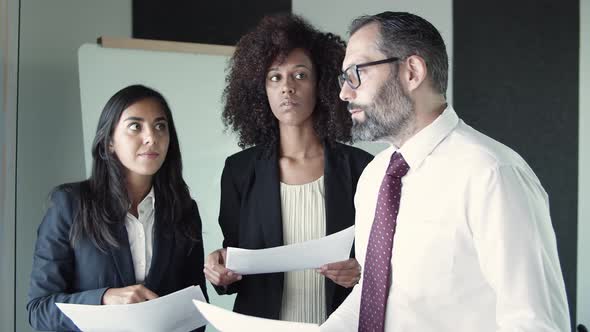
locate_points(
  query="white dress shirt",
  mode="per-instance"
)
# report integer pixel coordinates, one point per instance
(140, 234)
(304, 219)
(474, 248)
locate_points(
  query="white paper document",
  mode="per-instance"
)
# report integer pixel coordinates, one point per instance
(173, 312)
(300, 256)
(229, 321)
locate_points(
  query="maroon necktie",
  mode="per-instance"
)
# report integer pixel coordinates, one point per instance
(376, 275)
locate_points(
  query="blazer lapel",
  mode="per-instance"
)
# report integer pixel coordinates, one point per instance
(122, 256)
(268, 196)
(163, 242)
(338, 185)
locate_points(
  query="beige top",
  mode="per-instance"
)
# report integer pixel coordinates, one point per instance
(304, 218)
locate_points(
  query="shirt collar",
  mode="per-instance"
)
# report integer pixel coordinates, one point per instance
(150, 197)
(419, 146)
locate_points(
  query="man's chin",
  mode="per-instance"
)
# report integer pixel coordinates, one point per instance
(358, 117)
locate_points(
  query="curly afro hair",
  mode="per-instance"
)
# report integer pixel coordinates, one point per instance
(246, 109)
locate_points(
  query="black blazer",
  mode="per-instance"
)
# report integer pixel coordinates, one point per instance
(81, 274)
(250, 217)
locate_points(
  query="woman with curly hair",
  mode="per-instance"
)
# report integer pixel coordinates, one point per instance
(294, 182)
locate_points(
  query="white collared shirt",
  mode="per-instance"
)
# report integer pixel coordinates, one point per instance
(474, 248)
(140, 233)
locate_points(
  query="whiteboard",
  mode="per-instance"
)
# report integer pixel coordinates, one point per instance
(192, 84)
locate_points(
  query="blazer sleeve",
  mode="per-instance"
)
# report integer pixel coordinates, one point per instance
(229, 216)
(53, 270)
(195, 260)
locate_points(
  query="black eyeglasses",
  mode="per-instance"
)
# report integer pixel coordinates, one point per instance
(351, 74)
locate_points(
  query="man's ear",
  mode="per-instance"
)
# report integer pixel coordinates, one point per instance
(416, 72)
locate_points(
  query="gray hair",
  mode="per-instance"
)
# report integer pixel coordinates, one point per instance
(405, 34)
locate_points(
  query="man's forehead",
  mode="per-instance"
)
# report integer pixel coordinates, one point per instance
(362, 46)
(367, 34)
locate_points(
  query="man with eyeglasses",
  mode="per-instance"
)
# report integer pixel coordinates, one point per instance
(452, 228)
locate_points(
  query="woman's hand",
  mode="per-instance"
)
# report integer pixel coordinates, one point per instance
(216, 272)
(127, 295)
(345, 273)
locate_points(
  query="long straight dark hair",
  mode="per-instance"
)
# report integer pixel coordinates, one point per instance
(104, 199)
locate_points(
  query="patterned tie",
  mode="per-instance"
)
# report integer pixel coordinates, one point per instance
(376, 276)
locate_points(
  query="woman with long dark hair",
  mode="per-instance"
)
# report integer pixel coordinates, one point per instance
(295, 181)
(130, 232)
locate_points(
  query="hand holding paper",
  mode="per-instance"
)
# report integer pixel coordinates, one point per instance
(216, 272)
(173, 312)
(345, 273)
(127, 295)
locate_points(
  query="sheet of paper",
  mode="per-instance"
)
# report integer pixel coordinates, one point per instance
(173, 312)
(229, 321)
(300, 256)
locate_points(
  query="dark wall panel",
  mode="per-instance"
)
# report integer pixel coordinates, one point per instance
(516, 79)
(209, 22)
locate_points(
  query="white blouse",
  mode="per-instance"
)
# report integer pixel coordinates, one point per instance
(304, 219)
(140, 234)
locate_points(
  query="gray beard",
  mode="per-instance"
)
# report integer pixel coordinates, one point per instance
(389, 117)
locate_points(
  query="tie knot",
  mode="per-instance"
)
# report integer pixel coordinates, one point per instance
(397, 166)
